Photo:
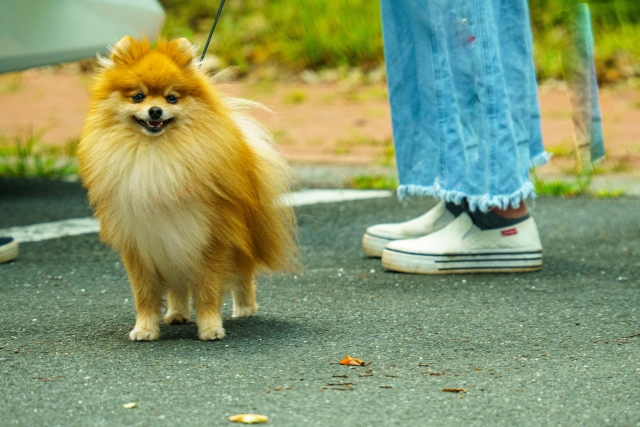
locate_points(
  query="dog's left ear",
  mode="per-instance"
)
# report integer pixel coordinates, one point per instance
(181, 51)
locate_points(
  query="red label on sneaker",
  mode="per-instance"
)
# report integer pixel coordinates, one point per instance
(509, 232)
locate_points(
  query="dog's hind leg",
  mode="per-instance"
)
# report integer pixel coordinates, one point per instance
(244, 298)
(244, 290)
(178, 309)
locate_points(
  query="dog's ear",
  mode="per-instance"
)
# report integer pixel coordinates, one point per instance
(181, 51)
(128, 50)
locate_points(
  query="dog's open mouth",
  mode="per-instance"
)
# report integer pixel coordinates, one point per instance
(153, 126)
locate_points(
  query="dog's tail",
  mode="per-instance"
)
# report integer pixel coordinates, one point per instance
(274, 237)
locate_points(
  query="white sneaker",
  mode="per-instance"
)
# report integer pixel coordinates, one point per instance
(378, 236)
(8, 249)
(462, 247)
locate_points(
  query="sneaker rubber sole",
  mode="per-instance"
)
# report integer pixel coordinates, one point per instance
(374, 245)
(484, 262)
(8, 251)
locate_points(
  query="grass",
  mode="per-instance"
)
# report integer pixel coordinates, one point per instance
(333, 34)
(25, 156)
(10, 83)
(556, 187)
(388, 158)
(579, 186)
(374, 182)
(562, 150)
(317, 34)
(608, 193)
(344, 146)
(295, 96)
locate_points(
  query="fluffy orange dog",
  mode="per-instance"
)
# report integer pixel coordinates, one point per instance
(186, 187)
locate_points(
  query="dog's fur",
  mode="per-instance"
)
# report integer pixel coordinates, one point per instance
(190, 199)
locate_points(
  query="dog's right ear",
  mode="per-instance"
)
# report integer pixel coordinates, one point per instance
(128, 50)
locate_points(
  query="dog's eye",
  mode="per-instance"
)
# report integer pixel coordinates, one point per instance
(138, 97)
(171, 99)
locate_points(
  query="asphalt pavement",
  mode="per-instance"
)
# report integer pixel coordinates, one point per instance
(555, 347)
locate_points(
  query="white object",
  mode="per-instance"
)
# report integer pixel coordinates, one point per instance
(378, 236)
(44, 32)
(462, 247)
(9, 251)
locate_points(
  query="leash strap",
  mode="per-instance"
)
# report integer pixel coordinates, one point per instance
(211, 33)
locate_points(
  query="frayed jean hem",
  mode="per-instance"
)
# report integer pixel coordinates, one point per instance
(482, 203)
(539, 160)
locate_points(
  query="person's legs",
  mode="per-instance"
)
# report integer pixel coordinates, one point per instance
(407, 57)
(8, 249)
(466, 128)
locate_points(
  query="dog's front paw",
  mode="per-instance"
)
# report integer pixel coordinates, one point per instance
(211, 334)
(175, 318)
(140, 334)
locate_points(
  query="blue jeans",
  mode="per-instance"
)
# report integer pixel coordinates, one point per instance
(463, 94)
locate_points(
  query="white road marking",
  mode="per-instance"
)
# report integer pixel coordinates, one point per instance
(77, 226)
(311, 197)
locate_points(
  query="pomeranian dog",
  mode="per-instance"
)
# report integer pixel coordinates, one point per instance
(185, 186)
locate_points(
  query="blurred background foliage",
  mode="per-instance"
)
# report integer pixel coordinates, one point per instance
(298, 35)
(319, 34)
(616, 31)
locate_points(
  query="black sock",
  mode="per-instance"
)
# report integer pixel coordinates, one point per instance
(491, 220)
(456, 210)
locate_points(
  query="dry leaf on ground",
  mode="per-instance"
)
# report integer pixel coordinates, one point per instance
(352, 361)
(248, 418)
(454, 390)
(130, 405)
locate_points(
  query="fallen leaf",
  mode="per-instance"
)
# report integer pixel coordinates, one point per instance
(454, 390)
(248, 418)
(130, 405)
(352, 361)
(45, 379)
(346, 387)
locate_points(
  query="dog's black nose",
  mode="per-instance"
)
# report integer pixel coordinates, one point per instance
(155, 113)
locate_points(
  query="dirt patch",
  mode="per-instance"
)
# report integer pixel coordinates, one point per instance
(329, 123)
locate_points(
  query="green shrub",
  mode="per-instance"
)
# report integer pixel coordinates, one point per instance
(25, 156)
(313, 34)
(331, 33)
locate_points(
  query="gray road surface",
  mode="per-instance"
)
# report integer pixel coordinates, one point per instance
(556, 347)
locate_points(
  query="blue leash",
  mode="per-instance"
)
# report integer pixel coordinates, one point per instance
(211, 33)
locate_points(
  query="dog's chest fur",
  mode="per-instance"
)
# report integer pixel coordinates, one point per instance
(155, 211)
